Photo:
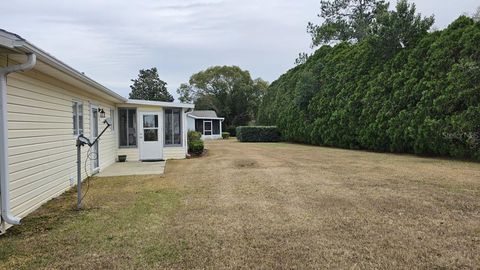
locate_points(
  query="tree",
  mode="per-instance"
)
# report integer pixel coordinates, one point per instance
(403, 89)
(148, 86)
(400, 28)
(345, 20)
(228, 90)
(185, 93)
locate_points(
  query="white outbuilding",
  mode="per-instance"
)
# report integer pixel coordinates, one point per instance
(207, 123)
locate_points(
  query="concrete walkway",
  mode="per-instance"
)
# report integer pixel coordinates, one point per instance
(133, 168)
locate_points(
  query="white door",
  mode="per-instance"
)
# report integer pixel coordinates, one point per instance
(95, 165)
(150, 136)
(207, 128)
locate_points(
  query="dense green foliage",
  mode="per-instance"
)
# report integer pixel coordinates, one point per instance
(193, 136)
(196, 147)
(195, 144)
(400, 90)
(225, 135)
(229, 91)
(148, 86)
(258, 134)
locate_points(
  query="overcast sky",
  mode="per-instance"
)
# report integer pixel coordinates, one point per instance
(110, 40)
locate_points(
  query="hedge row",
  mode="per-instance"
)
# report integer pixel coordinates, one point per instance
(258, 134)
(422, 99)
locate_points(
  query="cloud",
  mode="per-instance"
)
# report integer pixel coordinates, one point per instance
(110, 40)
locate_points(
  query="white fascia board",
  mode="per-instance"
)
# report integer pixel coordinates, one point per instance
(198, 117)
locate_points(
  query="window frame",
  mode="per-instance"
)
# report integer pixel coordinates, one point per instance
(173, 129)
(112, 118)
(128, 146)
(76, 114)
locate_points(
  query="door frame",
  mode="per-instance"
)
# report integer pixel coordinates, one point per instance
(94, 169)
(211, 127)
(140, 134)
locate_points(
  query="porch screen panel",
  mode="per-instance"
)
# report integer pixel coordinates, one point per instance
(216, 127)
(199, 125)
(127, 130)
(177, 133)
(122, 122)
(173, 127)
(168, 127)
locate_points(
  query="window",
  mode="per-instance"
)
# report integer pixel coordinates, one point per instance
(216, 127)
(77, 108)
(199, 125)
(112, 118)
(150, 128)
(127, 127)
(173, 127)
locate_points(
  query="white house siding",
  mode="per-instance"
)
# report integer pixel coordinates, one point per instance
(132, 153)
(190, 123)
(173, 152)
(42, 153)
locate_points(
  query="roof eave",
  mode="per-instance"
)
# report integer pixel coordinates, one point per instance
(201, 117)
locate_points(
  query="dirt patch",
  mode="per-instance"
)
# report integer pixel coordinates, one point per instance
(245, 163)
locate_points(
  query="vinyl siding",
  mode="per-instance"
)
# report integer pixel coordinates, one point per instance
(190, 123)
(173, 153)
(42, 152)
(132, 153)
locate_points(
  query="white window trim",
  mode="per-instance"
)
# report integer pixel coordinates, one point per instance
(112, 118)
(79, 113)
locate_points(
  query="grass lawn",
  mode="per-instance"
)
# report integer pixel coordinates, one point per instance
(264, 206)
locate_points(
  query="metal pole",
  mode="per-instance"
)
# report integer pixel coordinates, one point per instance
(79, 177)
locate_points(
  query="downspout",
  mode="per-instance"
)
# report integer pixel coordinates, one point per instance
(7, 216)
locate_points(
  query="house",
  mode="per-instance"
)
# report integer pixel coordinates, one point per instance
(45, 104)
(206, 122)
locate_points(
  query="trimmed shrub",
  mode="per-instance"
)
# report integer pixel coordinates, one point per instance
(258, 134)
(193, 136)
(196, 147)
(195, 144)
(225, 135)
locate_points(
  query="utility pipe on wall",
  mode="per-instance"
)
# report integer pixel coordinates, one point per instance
(7, 216)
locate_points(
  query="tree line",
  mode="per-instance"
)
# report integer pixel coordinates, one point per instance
(381, 80)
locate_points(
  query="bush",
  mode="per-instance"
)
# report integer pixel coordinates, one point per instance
(196, 147)
(195, 144)
(225, 135)
(194, 136)
(258, 134)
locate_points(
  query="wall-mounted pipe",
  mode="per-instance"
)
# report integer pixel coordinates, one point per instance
(7, 216)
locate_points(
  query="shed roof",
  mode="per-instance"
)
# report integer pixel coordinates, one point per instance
(204, 114)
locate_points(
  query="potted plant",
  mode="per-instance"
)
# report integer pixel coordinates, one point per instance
(122, 158)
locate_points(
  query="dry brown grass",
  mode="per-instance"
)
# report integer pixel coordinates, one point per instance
(265, 206)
